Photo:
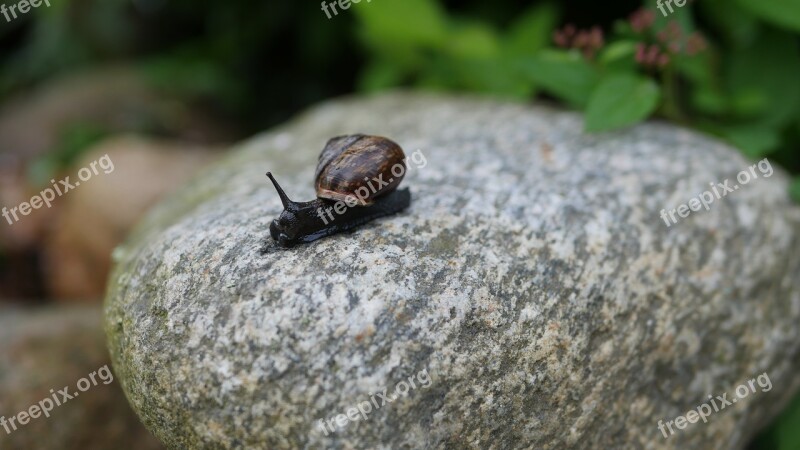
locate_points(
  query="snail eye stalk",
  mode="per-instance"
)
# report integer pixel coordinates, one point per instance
(287, 204)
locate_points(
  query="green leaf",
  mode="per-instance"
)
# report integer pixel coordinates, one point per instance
(748, 102)
(754, 141)
(787, 432)
(496, 76)
(783, 13)
(473, 40)
(763, 79)
(621, 100)
(794, 190)
(696, 68)
(404, 23)
(734, 24)
(565, 75)
(619, 56)
(783, 433)
(380, 75)
(531, 32)
(704, 88)
(710, 102)
(493, 76)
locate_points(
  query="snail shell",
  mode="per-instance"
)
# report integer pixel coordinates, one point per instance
(360, 167)
(366, 169)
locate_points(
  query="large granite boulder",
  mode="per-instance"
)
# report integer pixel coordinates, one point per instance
(531, 297)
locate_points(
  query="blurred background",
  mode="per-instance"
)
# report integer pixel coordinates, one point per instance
(163, 88)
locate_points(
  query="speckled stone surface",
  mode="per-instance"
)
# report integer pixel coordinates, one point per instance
(532, 278)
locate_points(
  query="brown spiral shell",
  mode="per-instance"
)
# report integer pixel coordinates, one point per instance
(352, 165)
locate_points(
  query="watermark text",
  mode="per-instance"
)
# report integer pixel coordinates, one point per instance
(363, 409)
(57, 398)
(716, 404)
(46, 197)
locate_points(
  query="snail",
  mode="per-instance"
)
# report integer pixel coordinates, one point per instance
(356, 181)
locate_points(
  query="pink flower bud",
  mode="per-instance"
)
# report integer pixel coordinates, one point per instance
(640, 56)
(652, 54)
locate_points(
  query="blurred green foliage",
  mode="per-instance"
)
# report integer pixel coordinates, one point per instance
(257, 63)
(74, 140)
(737, 76)
(260, 62)
(784, 433)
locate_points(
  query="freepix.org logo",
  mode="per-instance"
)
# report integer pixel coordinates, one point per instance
(342, 4)
(46, 197)
(22, 7)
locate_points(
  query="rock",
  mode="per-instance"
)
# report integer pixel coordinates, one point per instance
(14, 190)
(532, 282)
(53, 349)
(45, 120)
(78, 245)
(114, 99)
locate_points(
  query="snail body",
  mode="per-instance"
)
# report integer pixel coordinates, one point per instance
(359, 171)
